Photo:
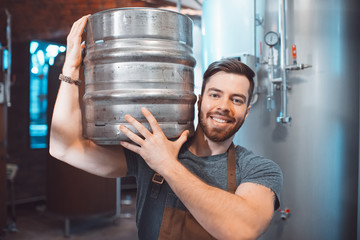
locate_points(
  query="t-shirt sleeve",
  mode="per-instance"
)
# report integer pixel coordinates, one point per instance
(265, 172)
(131, 162)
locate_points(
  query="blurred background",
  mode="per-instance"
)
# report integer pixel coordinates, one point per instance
(304, 115)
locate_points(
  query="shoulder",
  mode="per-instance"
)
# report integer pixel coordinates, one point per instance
(247, 159)
(260, 170)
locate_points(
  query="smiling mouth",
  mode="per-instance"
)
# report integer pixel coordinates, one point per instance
(219, 120)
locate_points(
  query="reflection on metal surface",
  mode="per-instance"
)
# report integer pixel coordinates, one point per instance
(318, 150)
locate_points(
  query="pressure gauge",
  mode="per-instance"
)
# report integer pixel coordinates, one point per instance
(271, 38)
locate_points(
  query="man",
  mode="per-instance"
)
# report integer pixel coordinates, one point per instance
(198, 188)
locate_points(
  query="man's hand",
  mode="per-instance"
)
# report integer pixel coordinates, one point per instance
(74, 47)
(158, 152)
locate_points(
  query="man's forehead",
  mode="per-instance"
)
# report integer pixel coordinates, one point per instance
(228, 81)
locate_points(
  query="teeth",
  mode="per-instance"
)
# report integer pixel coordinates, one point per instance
(219, 120)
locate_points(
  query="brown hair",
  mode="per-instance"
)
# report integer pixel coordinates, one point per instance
(230, 65)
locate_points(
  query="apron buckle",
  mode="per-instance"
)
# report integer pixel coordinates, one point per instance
(157, 178)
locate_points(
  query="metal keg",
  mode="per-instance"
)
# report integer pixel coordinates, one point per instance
(138, 57)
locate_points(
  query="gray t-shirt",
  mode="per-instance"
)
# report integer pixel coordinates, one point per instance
(212, 170)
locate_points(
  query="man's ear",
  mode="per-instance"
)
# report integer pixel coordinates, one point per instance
(247, 111)
(199, 101)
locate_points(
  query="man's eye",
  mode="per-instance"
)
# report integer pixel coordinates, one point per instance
(213, 95)
(238, 101)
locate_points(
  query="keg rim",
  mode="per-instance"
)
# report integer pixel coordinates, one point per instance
(139, 8)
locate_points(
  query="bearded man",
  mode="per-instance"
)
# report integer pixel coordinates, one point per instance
(203, 187)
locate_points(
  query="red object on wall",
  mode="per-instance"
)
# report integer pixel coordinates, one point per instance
(293, 47)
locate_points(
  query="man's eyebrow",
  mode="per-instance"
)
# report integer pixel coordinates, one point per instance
(240, 95)
(214, 89)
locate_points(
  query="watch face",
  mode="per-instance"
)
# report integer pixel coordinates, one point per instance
(271, 38)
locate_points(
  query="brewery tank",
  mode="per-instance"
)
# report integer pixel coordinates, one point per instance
(138, 57)
(318, 149)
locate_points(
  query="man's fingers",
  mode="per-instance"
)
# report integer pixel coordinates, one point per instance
(79, 25)
(132, 136)
(151, 119)
(182, 139)
(82, 23)
(131, 147)
(78, 28)
(140, 127)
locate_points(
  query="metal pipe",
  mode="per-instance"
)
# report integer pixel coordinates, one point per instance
(283, 118)
(255, 30)
(178, 5)
(270, 96)
(8, 73)
(118, 198)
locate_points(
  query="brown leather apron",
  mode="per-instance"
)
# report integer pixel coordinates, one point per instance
(180, 224)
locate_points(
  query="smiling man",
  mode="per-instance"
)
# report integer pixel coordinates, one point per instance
(220, 89)
(203, 187)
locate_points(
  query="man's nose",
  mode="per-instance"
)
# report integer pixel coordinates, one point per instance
(225, 104)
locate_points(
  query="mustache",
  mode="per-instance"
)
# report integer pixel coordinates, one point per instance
(220, 113)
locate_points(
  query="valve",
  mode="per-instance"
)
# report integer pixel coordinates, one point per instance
(293, 50)
(284, 213)
(295, 65)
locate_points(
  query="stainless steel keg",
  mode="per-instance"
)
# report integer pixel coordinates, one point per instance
(138, 57)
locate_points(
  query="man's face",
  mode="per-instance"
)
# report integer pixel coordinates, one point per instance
(223, 105)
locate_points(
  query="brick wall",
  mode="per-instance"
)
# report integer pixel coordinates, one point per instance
(45, 19)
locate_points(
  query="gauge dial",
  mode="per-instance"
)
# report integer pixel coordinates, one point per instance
(271, 38)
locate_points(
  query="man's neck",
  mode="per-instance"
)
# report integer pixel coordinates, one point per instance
(201, 146)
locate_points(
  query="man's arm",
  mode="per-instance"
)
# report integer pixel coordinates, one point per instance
(66, 140)
(243, 215)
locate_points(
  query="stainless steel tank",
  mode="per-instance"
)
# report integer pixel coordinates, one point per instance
(138, 57)
(318, 150)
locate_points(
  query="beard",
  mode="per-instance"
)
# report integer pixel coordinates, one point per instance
(217, 134)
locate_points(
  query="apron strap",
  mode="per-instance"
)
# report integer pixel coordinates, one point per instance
(157, 179)
(181, 225)
(231, 169)
(156, 183)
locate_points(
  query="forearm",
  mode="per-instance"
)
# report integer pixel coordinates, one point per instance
(68, 144)
(66, 125)
(224, 215)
